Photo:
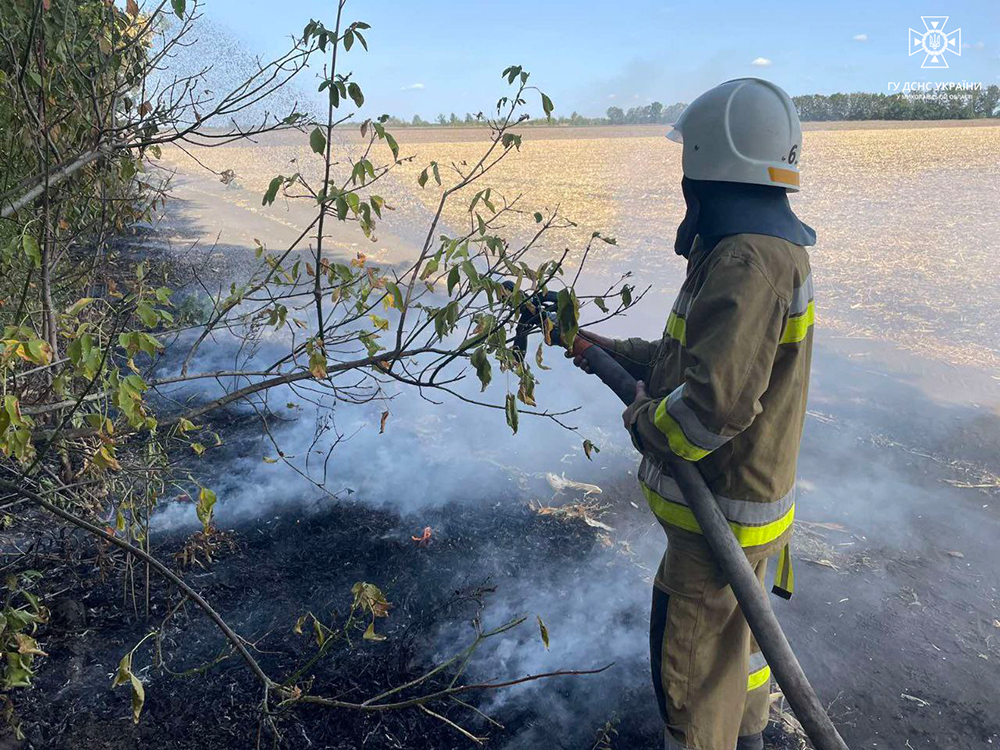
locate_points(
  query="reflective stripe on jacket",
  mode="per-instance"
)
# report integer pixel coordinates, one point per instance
(727, 384)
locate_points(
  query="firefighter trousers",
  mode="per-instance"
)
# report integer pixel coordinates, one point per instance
(711, 681)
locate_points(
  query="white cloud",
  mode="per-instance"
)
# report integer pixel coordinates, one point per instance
(612, 96)
(761, 62)
(977, 45)
(860, 37)
(414, 87)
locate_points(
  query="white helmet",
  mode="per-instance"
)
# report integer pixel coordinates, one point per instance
(745, 130)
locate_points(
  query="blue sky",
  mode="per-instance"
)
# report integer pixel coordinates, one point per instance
(430, 56)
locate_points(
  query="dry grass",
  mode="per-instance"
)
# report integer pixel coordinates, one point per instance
(784, 719)
(586, 512)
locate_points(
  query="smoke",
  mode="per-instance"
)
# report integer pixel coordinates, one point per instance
(434, 450)
(222, 63)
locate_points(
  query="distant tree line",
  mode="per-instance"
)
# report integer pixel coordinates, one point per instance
(951, 103)
(649, 114)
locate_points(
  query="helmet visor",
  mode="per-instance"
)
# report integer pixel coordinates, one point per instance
(676, 136)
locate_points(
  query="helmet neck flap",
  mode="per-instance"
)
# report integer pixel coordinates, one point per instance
(720, 209)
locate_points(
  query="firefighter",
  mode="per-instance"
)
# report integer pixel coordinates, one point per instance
(725, 387)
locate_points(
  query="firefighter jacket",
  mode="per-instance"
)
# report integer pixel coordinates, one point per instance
(727, 386)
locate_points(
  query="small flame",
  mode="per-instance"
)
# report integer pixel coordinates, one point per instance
(424, 539)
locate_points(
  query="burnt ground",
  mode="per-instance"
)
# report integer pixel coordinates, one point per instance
(289, 564)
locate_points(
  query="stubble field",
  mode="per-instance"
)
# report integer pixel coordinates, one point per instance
(909, 234)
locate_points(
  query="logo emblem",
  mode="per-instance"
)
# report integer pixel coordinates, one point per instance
(934, 42)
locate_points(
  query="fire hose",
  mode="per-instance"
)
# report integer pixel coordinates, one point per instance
(752, 599)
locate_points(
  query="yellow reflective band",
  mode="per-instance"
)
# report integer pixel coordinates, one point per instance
(784, 176)
(679, 443)
(677, 328)
(758, 678)
(797, 328)
(784, 576)
(681, 516)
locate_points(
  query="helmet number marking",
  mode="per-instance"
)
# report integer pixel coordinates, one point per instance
(793, 154)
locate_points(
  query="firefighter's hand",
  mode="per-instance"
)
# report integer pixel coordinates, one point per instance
(579, 361)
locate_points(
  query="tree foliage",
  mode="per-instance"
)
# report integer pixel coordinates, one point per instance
(87, 102)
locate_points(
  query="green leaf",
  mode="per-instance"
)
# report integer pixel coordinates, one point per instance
(567, 316)
(482, 364)
(511, 139)
(30, 246)
(179, 7)
(348, 40)
(39, 351)
(147, 315)
(538, 357)
(588, 448)
(547, 106)
(148, 344)
(422, 179)
(206, 502)
(526, 388)
(471, 273)
(272, 190)
(430, 268)
(77, 307)
(510, 409)
(544, 631)
(317, 141)
(397, 296)
(599, 301)
(318, 632)
(317, 360)
(17, 674)
(354, 91)
(128, 169)
(453, 279)
(437, 174)
(125, 675)
(393, 146)
(371, 343)
(538, 217)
